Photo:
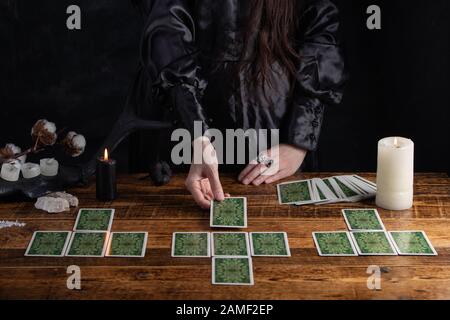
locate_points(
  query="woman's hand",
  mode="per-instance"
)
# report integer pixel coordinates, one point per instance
(286, 161)
(203, 180)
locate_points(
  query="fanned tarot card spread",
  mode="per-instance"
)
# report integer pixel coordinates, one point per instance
(334, 243)
(296, 192)
(230, 244)
(274, 244)
(373, 243)
(48, 244)
(412, 243)
(318, 191)
(191, 244)
(87, 244)
(127, 244)
(229, 213)
(362, 219)
(94, 220)
(232, 271)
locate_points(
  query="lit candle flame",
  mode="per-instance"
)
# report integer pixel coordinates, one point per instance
(105, 155)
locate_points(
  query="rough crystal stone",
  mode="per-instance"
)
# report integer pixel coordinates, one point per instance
(73, 201)
(52, 205)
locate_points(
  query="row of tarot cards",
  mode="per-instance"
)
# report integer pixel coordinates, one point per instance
(346, 188)
(91, 237)
(367, 236)
(231, 252)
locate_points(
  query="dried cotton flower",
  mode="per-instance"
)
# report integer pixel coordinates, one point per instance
(74, 143)
(10, 150)
(44, 132)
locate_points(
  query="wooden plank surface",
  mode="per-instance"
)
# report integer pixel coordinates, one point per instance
(164, 210)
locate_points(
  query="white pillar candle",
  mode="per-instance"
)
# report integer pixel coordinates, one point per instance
(30, 170)
(11, 171)
(49, 167)
(395, 173)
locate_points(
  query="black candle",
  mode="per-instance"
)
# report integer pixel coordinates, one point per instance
(106, 178)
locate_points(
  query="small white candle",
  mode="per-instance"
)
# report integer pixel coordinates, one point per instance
(11, 171)
(395, 173)
(30, 170)
(49, 167)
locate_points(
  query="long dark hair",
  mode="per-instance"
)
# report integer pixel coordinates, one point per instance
(269, 38)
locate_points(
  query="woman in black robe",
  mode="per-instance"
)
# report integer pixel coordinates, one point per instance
(261, 64)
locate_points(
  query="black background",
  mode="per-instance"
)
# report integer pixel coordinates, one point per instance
(399, 85)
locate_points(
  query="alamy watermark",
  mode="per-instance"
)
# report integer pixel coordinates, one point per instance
(374, 280)
(74, 280)
(73, 22)
(374, 20)
(213, 147)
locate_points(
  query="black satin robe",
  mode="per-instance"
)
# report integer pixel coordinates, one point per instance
(188, 54)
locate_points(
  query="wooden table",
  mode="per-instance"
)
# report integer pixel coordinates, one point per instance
(163, 210)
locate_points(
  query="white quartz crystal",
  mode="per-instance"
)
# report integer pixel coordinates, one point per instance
(73, 201)
(52, 205)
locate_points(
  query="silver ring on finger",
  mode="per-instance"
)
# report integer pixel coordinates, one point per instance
(265, 160)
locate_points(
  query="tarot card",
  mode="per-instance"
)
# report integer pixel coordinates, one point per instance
(325, 191)
(333, 187)
(363, 219)
(230, 244)
(373, 243)
(412, 243)
(362, 181)
(334, 244)
(127, 244)
(48, 244)
(314, 192)
(87, 244)
(94, 220)
(348, 191)
(356, 187)
(232, 271)
(269, 244)
(365, 188)
(229, 213)
(296, 192)
(318, 195)
(191, 245)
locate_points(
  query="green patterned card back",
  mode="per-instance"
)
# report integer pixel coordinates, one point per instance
(48, 244)
(294, 192)
(362, 219)
(191, 244)
(87, 244)
(330, 186)
(412, 243)
(349, 193)
(373, 243)
(321, 195)
(336, 243)
(232, 271)
(127, 244)
(94, 220)
(269, 244)
(230, 213)
(230, 244)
